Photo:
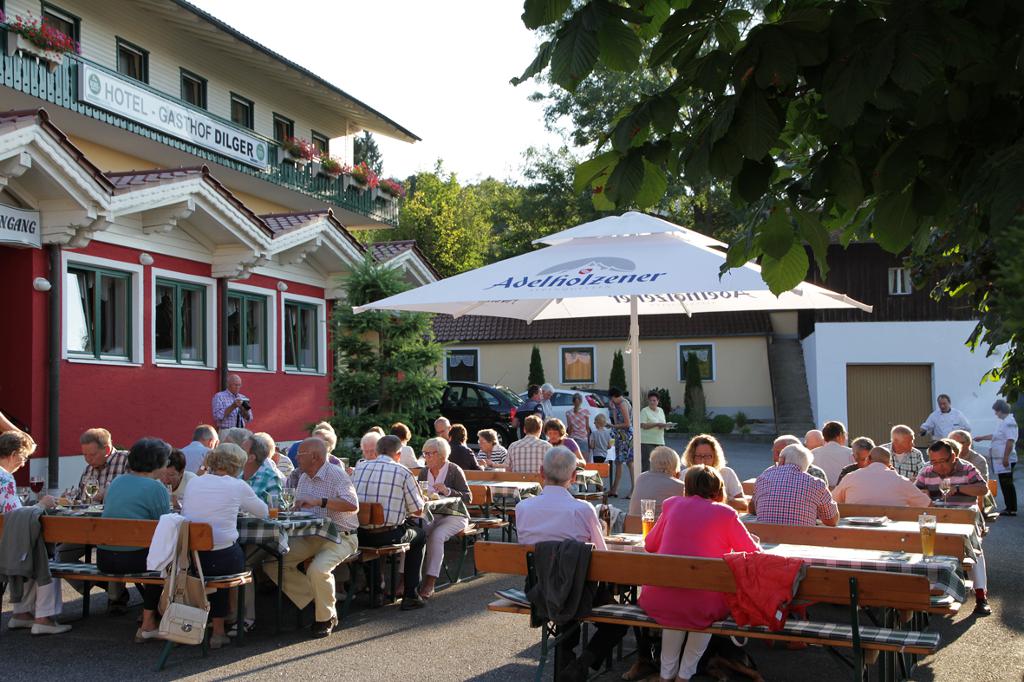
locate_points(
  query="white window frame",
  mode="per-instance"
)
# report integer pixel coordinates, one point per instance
(900, 283)
(714, 361)
(462, 348)
(271, 327)
(561, 363)
(210, 285)
(321, 323)
(138, 301)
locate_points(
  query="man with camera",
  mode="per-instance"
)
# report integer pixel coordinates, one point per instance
(231, 408)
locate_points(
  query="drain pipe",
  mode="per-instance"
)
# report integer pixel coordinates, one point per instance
(53, 394)
(222, 338)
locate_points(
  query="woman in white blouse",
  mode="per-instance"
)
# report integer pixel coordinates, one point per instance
(705, 449)
(1003, 454)
(216, 499)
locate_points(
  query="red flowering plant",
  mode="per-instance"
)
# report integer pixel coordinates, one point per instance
(331, 166)
(298, 148)
(392, 187)
(364, 175)
(42, 35)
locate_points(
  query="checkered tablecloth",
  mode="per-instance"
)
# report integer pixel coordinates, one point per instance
(588, 481)
(273, 535)
(967, 531)
(509, 493)
(944, 573)
(445, 506)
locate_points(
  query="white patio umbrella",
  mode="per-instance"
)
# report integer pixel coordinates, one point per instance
(631, 264)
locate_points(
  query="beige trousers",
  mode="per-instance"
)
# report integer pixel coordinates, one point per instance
(317, 585)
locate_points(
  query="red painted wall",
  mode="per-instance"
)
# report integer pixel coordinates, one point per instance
(169, 402)
(23, 341)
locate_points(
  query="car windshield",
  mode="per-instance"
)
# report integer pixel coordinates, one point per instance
(509, 395)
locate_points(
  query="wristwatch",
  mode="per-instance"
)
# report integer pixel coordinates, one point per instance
(323, 501)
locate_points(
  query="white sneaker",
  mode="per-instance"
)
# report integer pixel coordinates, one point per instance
(55, 629)
(20, 623)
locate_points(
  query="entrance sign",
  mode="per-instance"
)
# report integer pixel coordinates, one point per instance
(118, 95)
(19, 227)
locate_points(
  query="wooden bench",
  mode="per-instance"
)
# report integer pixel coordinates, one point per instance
(94, 531)
(604, 469)
(891, 592)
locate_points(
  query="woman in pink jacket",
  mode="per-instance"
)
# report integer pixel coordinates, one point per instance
(697, 525)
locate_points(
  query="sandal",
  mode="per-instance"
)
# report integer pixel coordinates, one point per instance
(250, 626)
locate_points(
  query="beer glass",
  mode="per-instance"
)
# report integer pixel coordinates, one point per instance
(647, 515)
(927, 524)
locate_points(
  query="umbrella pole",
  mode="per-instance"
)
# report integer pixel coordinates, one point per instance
(634, 382)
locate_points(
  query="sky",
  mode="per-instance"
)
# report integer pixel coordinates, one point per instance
(440, 68)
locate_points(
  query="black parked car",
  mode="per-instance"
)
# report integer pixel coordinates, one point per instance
(481, 406)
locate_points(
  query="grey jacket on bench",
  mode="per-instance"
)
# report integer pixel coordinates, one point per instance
(562, 593)
(23, 555)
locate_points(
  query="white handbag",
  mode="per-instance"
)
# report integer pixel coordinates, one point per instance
(187, 609)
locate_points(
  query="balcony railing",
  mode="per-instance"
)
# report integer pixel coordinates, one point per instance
(33, 77)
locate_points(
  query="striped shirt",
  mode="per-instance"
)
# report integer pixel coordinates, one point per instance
(526, 455)
(498, 454)
(333, 483)
(963, 473)
(785, 495)
(385, 481)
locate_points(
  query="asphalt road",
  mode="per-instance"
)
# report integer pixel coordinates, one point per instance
(455, 638)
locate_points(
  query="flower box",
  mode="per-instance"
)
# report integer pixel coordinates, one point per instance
(347, 181)
(18, 43)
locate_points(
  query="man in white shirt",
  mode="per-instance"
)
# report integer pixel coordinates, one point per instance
(878, 483)
(944, 420)
(556, 515)
(546, 392)
(204, 439)
(833, 455)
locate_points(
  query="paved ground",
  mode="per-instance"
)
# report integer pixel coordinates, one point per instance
(454, 638)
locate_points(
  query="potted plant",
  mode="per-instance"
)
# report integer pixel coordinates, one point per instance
(330, 166)
(39, 39)
(299, 151)
(361, 177)
(390, 189)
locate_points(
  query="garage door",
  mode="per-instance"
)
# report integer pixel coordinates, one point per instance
(881, 396)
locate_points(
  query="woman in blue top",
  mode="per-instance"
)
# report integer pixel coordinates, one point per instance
(138, 494)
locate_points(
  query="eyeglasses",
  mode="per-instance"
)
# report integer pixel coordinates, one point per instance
(430, 452)
(709, 458)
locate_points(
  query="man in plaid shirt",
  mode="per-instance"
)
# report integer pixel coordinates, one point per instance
(526, 455)
(326, 491)
(906, 459)
(786, 494)
(104, 464)
(387, 482)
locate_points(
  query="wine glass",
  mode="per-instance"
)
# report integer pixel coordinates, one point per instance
(36, 484)
(92, 487)
(945, 486)
(287, 499)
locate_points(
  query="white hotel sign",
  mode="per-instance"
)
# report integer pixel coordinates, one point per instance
(19, 227)
(108, 91)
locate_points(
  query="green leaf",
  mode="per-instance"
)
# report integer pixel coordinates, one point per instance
(918, 61)
(727, 35)
(712, 71)
(672, 39)
(726, 158)
(896, 169)
(752, 181)
(785, 273)
(775, 235)
(844, 99)
(844, 180)
(777, 64)
(658, 11)
(574, 54)
(958, 104)
(619, 44)
(629, 128)
(590, 171)
(736, 16)
(698, 159)
(631, 15)
(755, 126)
(539, 63)
(537, 13)
(815, 234)
(626, 180)
(601, 201)
(664, 113)
(654, 186)
(895, 221)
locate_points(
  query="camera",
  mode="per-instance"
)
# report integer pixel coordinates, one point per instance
(246, 406)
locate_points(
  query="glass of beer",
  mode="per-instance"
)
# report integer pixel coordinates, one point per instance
(274, 504)
(647, 515)
(927, 523)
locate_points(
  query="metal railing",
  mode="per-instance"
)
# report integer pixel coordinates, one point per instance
(34, 77)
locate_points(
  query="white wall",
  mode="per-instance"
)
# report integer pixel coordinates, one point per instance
(955, 369)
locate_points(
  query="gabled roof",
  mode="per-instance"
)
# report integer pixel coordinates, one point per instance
(285, 223)
(383, 252)
(128, 181)
(385, 122)
(18, 118)
(475, 328)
